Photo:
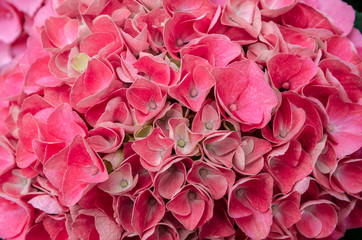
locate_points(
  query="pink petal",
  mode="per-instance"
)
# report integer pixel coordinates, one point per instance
(12, 214)
(61, 31)
(10, 20)
(47, 204)
(257, 225)
(340, 12)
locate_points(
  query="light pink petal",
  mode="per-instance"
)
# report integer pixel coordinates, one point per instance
(10, 22)
(257, 225)
(340, 12)
(47, 204)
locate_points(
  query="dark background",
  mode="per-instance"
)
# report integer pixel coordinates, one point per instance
(357, 5)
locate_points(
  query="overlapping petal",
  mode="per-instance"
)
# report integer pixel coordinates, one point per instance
(174, 120)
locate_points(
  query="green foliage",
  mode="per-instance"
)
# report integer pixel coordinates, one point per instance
(358, 21)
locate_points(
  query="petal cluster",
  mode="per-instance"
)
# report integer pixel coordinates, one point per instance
(174, 119)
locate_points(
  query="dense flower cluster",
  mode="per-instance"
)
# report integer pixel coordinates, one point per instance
(179, 119)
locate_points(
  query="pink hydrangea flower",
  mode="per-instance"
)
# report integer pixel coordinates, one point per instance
(175, 119)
